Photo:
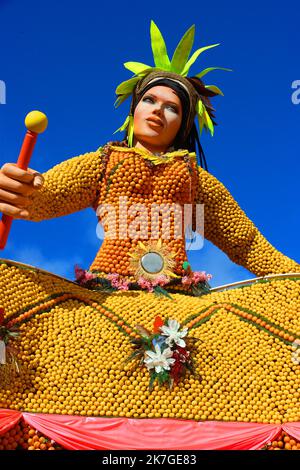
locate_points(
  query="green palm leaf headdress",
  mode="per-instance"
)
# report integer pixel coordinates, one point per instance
(177, 70)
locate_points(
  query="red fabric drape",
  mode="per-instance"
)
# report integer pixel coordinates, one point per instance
(293, 429)
(84, 433)
(107, 433)
(8, 419)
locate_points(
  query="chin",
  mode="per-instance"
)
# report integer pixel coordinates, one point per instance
(151, 137)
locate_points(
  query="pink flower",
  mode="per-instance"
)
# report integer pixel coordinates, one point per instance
(83, 276)
(145, 284)
(120, 284)
(186, 281)
(199, 277)
(123, 285)
(195, 278)
(160, 280)
(89, 276)
(113, 277)
(79, 273)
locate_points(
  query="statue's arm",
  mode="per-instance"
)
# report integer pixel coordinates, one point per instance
(68, 187)
(227, 226)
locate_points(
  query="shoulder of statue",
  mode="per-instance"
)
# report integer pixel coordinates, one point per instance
(205, 174)
(108, 147)
(105, 150)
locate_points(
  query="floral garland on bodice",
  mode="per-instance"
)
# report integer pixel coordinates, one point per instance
(196, 282)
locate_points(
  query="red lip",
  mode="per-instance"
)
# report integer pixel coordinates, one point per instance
(155, 121)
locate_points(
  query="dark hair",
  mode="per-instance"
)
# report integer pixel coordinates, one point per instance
(192, 141)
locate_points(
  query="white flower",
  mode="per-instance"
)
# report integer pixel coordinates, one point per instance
(158, 359)
(172, 333)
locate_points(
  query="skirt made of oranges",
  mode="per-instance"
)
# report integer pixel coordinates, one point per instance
(73, 346)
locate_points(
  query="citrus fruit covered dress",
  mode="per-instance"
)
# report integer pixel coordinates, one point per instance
(74, 340)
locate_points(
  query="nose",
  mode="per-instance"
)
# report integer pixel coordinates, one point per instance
(157, 109)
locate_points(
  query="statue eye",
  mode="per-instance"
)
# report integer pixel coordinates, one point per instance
(148, 98)
(173, 108)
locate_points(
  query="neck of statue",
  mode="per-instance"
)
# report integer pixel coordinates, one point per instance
(152, 149)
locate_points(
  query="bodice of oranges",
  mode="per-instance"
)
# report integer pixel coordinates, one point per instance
(143, 199)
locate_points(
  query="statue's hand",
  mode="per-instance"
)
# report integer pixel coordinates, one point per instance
(16, 185)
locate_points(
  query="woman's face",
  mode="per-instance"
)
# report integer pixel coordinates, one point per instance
(157, 117)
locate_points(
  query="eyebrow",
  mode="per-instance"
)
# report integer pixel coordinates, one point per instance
(155, 96)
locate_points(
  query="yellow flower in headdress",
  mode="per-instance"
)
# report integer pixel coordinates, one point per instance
(180, 64)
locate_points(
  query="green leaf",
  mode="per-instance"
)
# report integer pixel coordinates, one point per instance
(158, 290)
(134, 355)
(121, 99)
(14, 334)
(209, 69)
(147, 342)
(201, 288)
(200, 108)
(159, 49)
(127, 86)
(183, 50)
(124, 125)
(201, 123)
(146, 71)
(215, 89)
(130, 131)
(200, 113)
(141, 361)
(137, 341)
(152, 380)
(209, 123)
(195, 57)
(185, 265)
(136, 67)
(163, 377)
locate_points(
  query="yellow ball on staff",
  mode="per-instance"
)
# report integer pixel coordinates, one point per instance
(36, 121)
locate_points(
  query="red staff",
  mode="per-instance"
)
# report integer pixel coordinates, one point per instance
(36, 123)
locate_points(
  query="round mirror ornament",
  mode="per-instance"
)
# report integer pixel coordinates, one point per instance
(152, 262)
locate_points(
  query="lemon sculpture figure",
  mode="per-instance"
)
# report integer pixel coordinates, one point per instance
(139, 335)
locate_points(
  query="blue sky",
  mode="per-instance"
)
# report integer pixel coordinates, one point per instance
(65, 58)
